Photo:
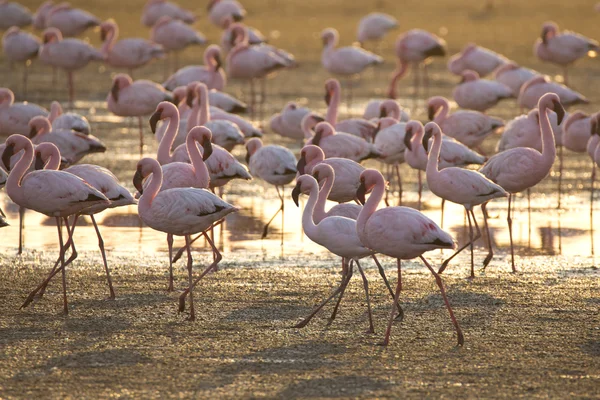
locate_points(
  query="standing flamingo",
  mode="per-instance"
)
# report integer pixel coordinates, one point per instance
(479, 94)
(3, 179)
(389, 142)
(340, 144)
(227, 39)
(402, 233)
(594, 154)
(175, 36)
(14, 14)
(20, 47)
(288, 123)
(476, 58)
(513, 76)
(458, 185)
(275, 165)
(154, 9)
(374, 26)
(226, 102)
(211, 73)
(376, 109)
(220, 10)
(39, 18)
(562, 48)
(536, 87)
(69, 54)
(355, 126)
(53, 193)
(15, 117)
(69, 120)
(521, 168)
(415, 47)
(70, 21)
(179, 211)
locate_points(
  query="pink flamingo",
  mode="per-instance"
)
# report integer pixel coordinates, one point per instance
(347, 172)
(69, 54)
(227, 40)
(562, 48)
(70, 21)
(3, 179)
(181, 212)
(20, 47)
(175, 35)
(288, 123)
(524, 131)
(476, 58)
(220, 10)
(211, 73)
(458, 185)
(135, 99)
(376, 109)
(346, 61)
(467, 126)
(577, 130)
(594, 153)
(47, 156)
(415, 47)
(56, 194)
(127, 53)
(15, 117)
(374, 26)
(402, 233)
(226, 102)
(355, 126)
(532, 91)
(273, 164)
(479, 94)
(521, 168)
(14, 14)
(340, 144)
(68, 121)
(247, 127)
(513, 76)
(389, 142)
(39, 18)
(154, 9)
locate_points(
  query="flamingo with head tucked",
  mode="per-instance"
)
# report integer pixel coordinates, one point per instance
(340, 144)
(376, 109)
(514, 76)
(220, 10)
(476, 58)
(175, 35)
(15, 117)
(288, 122)
(532, 91)
(479, 94)
(374, 26)
(227, 40)
(68, 120)
(211, 73)
(154, 9)
(20, 47)
(14, 14)
(70, 21)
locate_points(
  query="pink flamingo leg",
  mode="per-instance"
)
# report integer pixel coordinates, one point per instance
(21, 230)
(71, 89)
(420, 189)
(181, 250)
(266, 227)
(400, 315)
(101, 246)
(366, 287)
(592, 207)
(509, 220)
(442, 217)
(63, 269)
(192, 316)
(490, 254)
(529, 216)
(344, 286)
(397, 169)
(472, 239)
(170, 245)
(388, 331)
(140, 125)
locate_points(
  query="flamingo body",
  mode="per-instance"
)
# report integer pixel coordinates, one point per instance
(476, 58)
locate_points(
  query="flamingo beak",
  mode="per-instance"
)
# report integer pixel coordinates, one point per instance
(176, 99)
(219, 62)
(327, 97)
(237, 17)
(207, 149)
(325, 41)
(593, 126)
(137, 180)
(382, 113)
(102, 35)
(189, 98)
(431, 112)
(544, 33)
(32, 132)
(154, 119)
(318, 119)
(559, 110)
(114, 91)
(247, 157)
(296, 194)
(9, 151)
(317, 138)
(376, 131)
(316, 175)
(426, 137)
(64, 163)
(407, 137)
(301, 166)
(39, 162)
(361, 192)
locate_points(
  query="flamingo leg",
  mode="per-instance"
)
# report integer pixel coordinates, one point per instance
(397, 169)
(366, 286)
(181, 250)
(488, 258)
(21, 230)
(400, 315)
(438, 280)
(280, 209)
(509, 220)
(469, 243)
(426, 80)
(349, 104)
(442, 218)
(566, 75)
(25, 73)
(388, 331)
(592, 207)
(71, 89)
(420, 189)
(339, 301)
(529, 216)
(140, 125)
(192, 316)
(416, 86)
(252, 100)
(170, 245)
(101, 246)
(263, 97)
(560, 175)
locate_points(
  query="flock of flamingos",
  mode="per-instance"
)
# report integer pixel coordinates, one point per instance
(197, 125)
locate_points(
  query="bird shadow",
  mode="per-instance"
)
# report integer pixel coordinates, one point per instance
(341, 386)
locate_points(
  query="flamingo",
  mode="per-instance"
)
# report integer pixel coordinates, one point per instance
(592, 150)
(389, 142)
(211, 73)
(69, 120)
(20, 47)
(374, 26)
(476, 58)
(376, 109)
(340, 144)
(247, 127)
(127, 53)
(467, 126)
(524, 131)
(458, 185)
(288, 123)
(452, 153)
(70, 21)
(415, 47)
(220, 10)
(479, 94)
(154, 9)
(514, 76)
(562, 48)
(355, 126)
(3, 178)
(15, 117)
(227, 39)
(521, 168)
(402, 233)
(181, 212)
(39, 18)
(275, 165)
(345, 61)
(536, 87)
(135, 99)
(56, 194)
(226, 102)
(175, 35)
(69, 54)
(14, 14)
(336, 234)
(347, 172)
(47, 156)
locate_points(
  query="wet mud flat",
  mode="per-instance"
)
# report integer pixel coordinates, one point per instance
(533, 334)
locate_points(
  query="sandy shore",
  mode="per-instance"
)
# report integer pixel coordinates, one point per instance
(531, 334)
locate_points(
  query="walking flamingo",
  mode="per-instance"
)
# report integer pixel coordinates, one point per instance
(154, 9)
(536, 87)
(14, 14)
(220, 10)
(458, 185)
(20, 47)
(340, 144)
(181, 212)
(513, 76)
(15, 117)
(374, 26)
(275, 165)
(70, 21)
(562, 48)
(69, 54)
(476, 58)
(479, 94)
(53, 193)
(402, 233)
(355, 126)
(521, 168)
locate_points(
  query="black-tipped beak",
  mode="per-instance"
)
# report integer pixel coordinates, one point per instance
(316, 175)
(114, 91)
(189, 98)
(544, 33)
(219, 62)
(207, 149)
(436, 50)
(376, 131)
(407, 137)
(39, 162)
(361, 192)
(137, 181)
(431, 113)
(559, 110)
(9, 151)
(176, 99)
(318, 119)
(296, 194)
(317, 138)
(154, 120)
(102, 35)
(593, 126)
(327, 97)
(324, 41)
(301, 165)
(32, 132)
(247, 157)
(382, 113)
(426, 137)
(237, 17)
(64, 163)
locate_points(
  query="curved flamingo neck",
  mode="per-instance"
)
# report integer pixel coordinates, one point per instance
(55, 111)
(163, 156)
(204, 116)
(150, 192)
(306, 128)
(319, 211)
(111, 38)
(209, 60)
(200, 169)
(398, 74)
(308, 223)
(42, 126)
(370, 207)
(13, 184)
(7, 98)
(434, 155)
(548, 145)
(443, 113)
(332, 109)
(52, 159)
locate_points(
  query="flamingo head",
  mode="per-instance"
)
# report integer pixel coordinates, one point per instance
(143, 169)
(552, 101)
(469, 76)
(431, 129)
(304, 184)
(322, 130)
(202, 135)
(106, 27)
(549, 30)
(164, 110)
(51, 35)
(252, 147)
(329, 36)
(120, 82)
(331, 86)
